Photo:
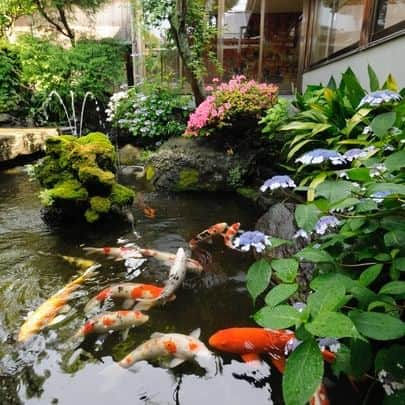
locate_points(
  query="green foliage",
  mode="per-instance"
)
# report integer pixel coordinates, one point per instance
(356, 239)
(151, 113)
(77, 176)
(275, 117)
(95, 66)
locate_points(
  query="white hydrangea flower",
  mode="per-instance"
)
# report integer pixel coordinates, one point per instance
(326, 222)
(317, 156)
(255, 239)
(377, 98)
(278, 182)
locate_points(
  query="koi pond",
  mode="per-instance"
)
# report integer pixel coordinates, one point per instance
(52, 368)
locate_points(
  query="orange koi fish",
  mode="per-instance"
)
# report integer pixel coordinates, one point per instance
(47, 312)
(122, 253)
(113, 321)
(217, 229)
(175, 346)
(230, 234)
(130, 292)
(148, 211)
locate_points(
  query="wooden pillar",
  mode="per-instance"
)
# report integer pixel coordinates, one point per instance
(262, 39)
(220, 30)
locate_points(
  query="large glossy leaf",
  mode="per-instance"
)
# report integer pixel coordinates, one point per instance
(258, 278)
(297, 147)
(333, 325)
(394, 238)
(393, 288)
(370, 274)
(378, 326)
(309, 254)
(324, 280)
(374, 83)
(390, 83)
(306, 216)
(286, 269)
(335, 191)
(319, 179)
(327, 299)
(352, 88)
(303, 373)
(280, 293)
(280, 317)
(355, 120)
(382, 123)
(395, 161)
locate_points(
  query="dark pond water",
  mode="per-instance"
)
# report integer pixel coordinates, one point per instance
(50, 368)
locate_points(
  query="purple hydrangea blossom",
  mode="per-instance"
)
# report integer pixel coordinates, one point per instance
(256, 239)
(278, 182)
(301, 233)
(379, 196)
(355, 153)
(376, 98)
(321, 155)
(332, 344)
(299, 306)
(328, 221)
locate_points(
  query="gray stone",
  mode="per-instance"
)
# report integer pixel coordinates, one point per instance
(187, 165)
(129, 155)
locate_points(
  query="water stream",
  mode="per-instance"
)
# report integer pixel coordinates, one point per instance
(51, 369)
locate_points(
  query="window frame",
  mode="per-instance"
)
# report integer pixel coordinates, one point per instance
(368, 38)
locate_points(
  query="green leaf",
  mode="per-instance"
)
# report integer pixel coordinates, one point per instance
(325, 280)
(332, 324)
(280, 317)
(306, 216)
(342, 361)
(395, 161)
(309, 254)
(370, 274)
(327, 299)
(374, 83)
(362, 294)
(393, 288)
(346, 203)
(352, 87)
(359, 174)
(286, 269)
(280, 293)
(365, 206)
(394, 238)
(319, 179)
(393, 222)
(382, 123)
(400, 263)
(353, 122)
(360, 358)
(303, 373)
(390, 83)
(378, 326)
(335, 190)
(397, 398)
(297, 147)
(258, 278)
(276, 242)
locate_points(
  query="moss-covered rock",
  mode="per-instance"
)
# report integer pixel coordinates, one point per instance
(249, 193)
(149, 173)
(188, 180)
(78, 176)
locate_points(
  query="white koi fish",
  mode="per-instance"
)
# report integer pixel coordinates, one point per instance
(177, 274)
(124, 252)
(113, 321)
(46, 313)
(175, 346)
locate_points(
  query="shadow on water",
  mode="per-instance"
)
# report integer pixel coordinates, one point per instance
(53, 368)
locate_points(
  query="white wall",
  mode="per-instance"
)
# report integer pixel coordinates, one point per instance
(385, 58)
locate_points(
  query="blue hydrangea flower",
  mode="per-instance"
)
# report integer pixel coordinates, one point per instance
(355, 153)
(332, 344)
(291, 345)
(299, 306)
(278, 182)
(256, 239)
(376, 98)
(379, 196)
(301, 233)
(328, 221)
(378, 170)
(321, 155)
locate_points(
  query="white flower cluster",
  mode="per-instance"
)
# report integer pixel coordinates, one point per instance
(388, 382)
(255, 239)
(113, 104)
(278, 182)
(377, 98)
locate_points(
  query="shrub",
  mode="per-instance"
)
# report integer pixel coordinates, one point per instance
(150, 114)
(95, 66)
(78, 177)
(238, 99)
(354, 228)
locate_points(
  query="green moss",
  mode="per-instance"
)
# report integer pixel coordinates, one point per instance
(68, 190)
(150, 173)
(188, 180)
(247, 192)
(94, 175)
(91, 215)
(121, 195)
(95, 138)
(48, 172)
(100, 204)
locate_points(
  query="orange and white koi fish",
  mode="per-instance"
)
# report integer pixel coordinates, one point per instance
(177, 274)
(129, 292)
(228, 232)
(47, 312)
(320, 397)
(177, 347)
(113, 321)
(122, 253)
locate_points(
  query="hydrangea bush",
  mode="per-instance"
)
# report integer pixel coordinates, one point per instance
(229, 101)
(150, 114)
(352, 222)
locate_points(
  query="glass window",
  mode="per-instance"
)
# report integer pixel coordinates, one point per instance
(337, 26)
(389, 13)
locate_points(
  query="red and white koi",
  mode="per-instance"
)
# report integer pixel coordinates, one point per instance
(228, 232)
(122, 253)
(175, 346)
(129, 292)
(46, 313)
(112, 321)
(177, 274)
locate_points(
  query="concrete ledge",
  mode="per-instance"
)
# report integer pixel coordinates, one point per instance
(16, 142)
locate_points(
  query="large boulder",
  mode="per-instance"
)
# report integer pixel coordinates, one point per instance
(190, 165)
(129, 155)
